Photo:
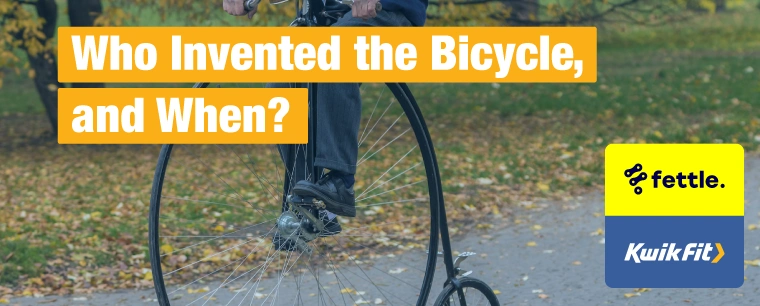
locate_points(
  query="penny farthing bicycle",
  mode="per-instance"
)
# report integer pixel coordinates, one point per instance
(215, 208)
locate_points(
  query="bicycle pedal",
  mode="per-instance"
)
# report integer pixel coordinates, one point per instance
(305, 201)
(303, 246)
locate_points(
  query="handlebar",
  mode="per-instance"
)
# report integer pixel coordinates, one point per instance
(252, 4)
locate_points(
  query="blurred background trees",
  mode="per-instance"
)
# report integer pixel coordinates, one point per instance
(27, 42)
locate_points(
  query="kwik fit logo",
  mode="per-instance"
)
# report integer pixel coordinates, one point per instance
(671, 252)
(680, 180)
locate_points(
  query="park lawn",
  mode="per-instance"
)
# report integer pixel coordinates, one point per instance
(73, 218)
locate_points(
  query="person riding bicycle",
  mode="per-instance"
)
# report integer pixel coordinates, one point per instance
(338, 127)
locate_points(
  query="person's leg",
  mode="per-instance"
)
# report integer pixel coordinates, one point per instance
(291, 156)
(338, 120)
(339, 107)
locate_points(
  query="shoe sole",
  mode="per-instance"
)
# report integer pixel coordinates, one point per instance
(331, 205)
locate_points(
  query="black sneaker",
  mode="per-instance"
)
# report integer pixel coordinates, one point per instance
(332, 227)
(332, 190)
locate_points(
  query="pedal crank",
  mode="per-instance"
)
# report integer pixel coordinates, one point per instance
(308, 208)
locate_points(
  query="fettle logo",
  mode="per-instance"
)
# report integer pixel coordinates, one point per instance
(635, 180)
(692, 180)
(670, 252)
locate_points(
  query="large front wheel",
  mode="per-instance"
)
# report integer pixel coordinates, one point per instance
(214, 209)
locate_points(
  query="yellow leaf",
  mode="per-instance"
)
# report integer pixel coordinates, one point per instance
(576, 263)
(597, 232)
(752, 227)
(31, 73)
(347, 290)
(531, 243)
(167, 249)
(542, 186)
(537, 227)
(495, 210)
(96, 215)
(641, 290)
(754, 263)
(199, 290)
(148, 276)
(484, 226)
(219, 228)
(657, 134)
(4, 300)
(52, 87)
(694, 139)
(497, 292)
(630, 295)
(82, 263)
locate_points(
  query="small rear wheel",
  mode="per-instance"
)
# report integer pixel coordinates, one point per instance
(473, 292)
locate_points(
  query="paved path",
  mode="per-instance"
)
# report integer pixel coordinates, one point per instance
(565, 267)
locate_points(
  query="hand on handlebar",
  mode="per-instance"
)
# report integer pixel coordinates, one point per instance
(238, 8)
(365, 9)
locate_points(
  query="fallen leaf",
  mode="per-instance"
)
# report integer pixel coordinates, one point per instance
(167, 249)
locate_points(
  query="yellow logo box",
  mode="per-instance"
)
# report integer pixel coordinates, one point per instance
(674, 180)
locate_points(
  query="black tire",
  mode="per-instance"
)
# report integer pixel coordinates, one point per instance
(451, 296)
(424, 144)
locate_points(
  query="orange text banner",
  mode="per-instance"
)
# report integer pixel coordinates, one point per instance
(328, 54)
(182, 116)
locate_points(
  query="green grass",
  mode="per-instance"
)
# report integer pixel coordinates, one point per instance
(21, 259)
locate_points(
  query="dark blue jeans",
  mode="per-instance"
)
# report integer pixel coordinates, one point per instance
(339, 110)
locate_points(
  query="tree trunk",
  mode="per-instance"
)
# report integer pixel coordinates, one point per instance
(44, 64)
(523, 12)
(720, 6)
(82, 13)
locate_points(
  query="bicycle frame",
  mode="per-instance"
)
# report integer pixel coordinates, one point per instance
(312, 14)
